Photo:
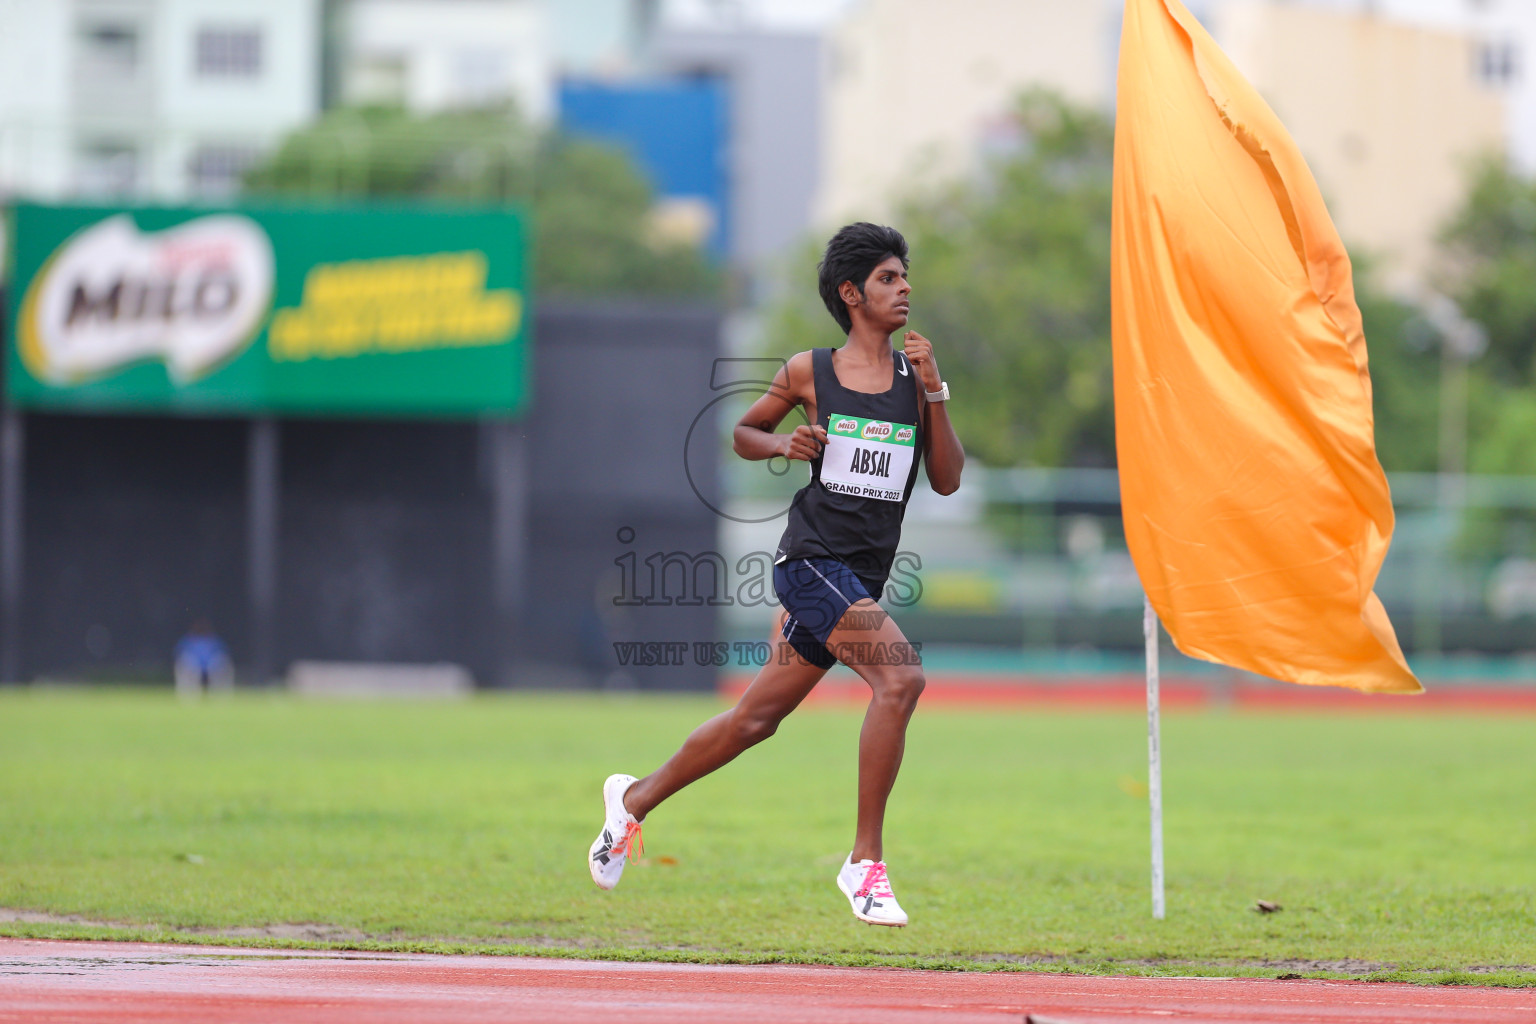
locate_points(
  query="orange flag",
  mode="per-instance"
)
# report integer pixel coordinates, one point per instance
(1255, 508)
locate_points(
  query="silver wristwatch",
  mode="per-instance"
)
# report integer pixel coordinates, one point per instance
(941, 395)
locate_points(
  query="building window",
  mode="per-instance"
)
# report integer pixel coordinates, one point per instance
(109, 50)
(216, 171)
(1498, 63)
(228, 52)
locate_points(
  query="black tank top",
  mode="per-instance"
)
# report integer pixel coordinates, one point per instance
(853, 506)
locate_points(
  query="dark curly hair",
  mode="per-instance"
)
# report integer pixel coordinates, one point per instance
(852, 255)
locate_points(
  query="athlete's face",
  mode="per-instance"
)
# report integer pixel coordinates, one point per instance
(886, 293)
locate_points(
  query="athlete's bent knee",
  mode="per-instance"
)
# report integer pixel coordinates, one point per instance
(752, 729)
(902, 685)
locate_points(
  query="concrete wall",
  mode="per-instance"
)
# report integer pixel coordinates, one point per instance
(34, 97)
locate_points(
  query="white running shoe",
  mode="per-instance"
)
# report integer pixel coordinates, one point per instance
(869, 892)
(620, 835)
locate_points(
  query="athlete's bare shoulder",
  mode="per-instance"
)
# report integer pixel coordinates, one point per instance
(800, 367)
(797, 380)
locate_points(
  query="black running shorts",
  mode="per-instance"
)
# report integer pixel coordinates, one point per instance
(816, 592)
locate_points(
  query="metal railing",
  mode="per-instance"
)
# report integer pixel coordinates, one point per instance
(1037, 557)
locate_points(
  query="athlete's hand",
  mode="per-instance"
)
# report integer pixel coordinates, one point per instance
(919, 352)
(805, 443)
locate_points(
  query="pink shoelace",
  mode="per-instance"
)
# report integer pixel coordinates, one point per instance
(631, 845)
(875, 882)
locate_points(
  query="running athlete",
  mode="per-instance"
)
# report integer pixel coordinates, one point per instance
(872, 415)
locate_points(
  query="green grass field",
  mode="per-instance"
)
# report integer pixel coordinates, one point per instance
(1398, 846)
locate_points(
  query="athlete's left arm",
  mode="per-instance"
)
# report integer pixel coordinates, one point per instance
(941, 447)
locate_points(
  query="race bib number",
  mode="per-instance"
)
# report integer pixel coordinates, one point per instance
(867, 458)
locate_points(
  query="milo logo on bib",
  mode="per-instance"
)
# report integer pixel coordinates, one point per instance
(875, 431)
(868, 458)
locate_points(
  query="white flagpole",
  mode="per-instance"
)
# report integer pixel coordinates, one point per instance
(1154, 758)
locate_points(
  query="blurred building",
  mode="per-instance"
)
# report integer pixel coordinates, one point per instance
(774, 83)
(602, 38)
(724, 118)
(1503, 34)
(1389, 114)
(1387, 111)
(150, 98)
(917, 88)
(677, 130)
(431, 55)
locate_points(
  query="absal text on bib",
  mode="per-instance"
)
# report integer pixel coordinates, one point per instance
(867, 458)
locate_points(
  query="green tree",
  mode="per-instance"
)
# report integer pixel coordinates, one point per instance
(1405, 378)
(1489, 251)
(593, 232)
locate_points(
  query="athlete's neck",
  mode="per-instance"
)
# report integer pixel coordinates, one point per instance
(868, 345)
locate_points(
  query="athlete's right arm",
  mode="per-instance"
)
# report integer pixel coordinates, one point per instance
(754, 436)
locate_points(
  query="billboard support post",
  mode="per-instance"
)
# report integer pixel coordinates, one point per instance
(509, 530)
(12, 542)
(262, 469)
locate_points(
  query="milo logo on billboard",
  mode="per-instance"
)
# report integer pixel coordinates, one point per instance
(845, 426)
(875, 431)
(191, 296)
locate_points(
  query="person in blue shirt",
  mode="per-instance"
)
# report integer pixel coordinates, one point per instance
(202, 661)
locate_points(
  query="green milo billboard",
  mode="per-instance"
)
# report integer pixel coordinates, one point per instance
(361, 311)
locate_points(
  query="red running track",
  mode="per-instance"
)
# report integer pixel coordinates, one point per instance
(48, 982)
